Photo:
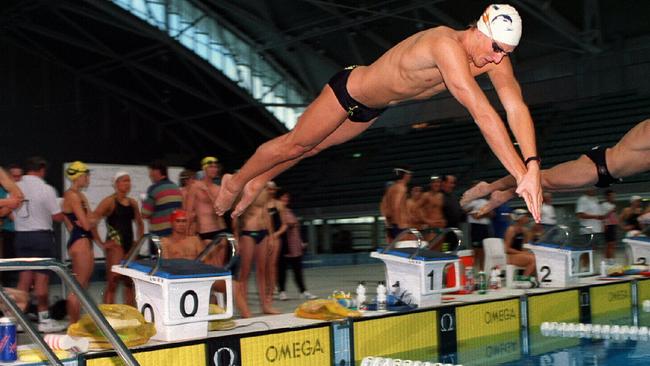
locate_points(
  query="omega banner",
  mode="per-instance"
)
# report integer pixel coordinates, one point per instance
(487, 319)
(303, 347)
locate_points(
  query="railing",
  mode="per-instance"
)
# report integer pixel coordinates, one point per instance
(35, 264)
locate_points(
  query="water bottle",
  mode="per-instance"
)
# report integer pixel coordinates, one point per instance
(495, 281)
(469, 279)
(482, 283)
(361, 297)
(381, 297)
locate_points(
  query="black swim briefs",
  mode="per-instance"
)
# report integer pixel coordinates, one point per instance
(605, 179)
(357, 112)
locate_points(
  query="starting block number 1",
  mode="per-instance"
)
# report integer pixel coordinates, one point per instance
(430, 275)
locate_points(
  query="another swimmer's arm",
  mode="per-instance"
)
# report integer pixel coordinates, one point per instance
(104, 208)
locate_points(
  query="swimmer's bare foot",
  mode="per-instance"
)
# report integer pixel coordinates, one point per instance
(481, 189)
(227, 195)
(250, 192)
(497, 198)
(270, 310)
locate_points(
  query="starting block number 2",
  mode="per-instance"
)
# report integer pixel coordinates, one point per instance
(546, 270)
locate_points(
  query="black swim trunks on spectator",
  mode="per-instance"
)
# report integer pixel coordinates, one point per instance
(357, 112)
(605, 179)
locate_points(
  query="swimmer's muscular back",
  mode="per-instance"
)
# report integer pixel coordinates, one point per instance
(410, 69)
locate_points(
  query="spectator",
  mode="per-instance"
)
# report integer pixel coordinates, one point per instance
(611, 223)
(548, 212)
(34, 235)
(515, 237)
(294, 251)
(454, 213)
(413, 206)
(7, 205)
(186, 179)
(630, 216)
(590, 214)
(78, 221)
(200, 211)
(393, 204)
(480, 225)
(10, 198)
(120, 211)
(431, 208)
(277, 240)
(501, 220)
(163, 197)
(252, 230)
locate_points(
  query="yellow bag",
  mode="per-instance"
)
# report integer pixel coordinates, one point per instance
(222, 324)
(127, 321)
(322, 309)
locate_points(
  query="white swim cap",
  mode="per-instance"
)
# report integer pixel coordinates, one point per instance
(502, 23)
(119, 175)
(518, 213)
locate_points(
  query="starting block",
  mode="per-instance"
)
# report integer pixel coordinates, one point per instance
(558, 265)
(637, 250)
(176, 297)
(420, 272)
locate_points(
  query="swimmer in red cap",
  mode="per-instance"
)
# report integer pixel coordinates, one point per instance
(424, 64)
(179, 244)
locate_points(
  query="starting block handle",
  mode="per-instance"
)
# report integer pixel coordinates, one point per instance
(443, 234)
(231, 240)
(561, 228)
(136, 249)
(415, 232)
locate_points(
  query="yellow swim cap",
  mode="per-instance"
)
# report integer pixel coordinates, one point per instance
(76, 169)
(208, 160)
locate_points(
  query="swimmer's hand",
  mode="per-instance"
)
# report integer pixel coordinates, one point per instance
(529, 187)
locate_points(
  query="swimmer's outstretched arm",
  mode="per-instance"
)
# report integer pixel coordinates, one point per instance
(452, 62)
(521, 124)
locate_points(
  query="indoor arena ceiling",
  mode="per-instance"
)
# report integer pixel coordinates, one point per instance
(308, 39)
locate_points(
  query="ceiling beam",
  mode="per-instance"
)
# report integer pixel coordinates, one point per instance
(555, 21)
(375, 16)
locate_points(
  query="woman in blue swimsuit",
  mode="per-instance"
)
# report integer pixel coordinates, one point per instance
(77, 220)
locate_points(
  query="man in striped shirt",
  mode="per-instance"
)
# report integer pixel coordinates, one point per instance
(163, 197)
